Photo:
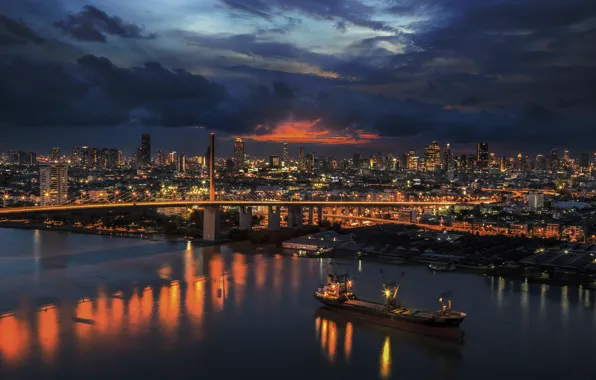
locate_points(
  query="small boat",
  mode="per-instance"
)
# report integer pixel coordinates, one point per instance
(439, 267)
(339, 296)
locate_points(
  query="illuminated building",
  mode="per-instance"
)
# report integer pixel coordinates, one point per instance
(535, 201)
(302, 159)
(554, 160)
(541, 163)
(432, 156)
(482, 156)
(412, 160)
(274, 161)
(145, 150)
(239, 153)
(75, 158)
(285, 156)
(55, 156)
(114, 158)
(53, 184)
(32, 158)
(94, 158)
(181, 163)
(447, 163)
(84, 156)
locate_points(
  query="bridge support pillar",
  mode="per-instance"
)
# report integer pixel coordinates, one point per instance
(245, 218)
(295, 216)
(320, 213)
(273, 218)
(359, 210)
(311, 213)
(211, 223)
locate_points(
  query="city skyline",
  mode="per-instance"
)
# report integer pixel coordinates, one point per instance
(373, 75)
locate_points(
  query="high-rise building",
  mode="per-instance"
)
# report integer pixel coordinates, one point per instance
(32, 158)
(482, 156)
(104, 158)
(274, 162)
(411, 160)
(535, 201)
(94, 158)
(84, 156)
(554, 160)
(75, 157)
(432, 156)
(447, 163)
(145, 150)
(55, 155)
(285, 156)
(302, 159)
(114, 158)
(239, 153)
(53, 184)
(181, 163)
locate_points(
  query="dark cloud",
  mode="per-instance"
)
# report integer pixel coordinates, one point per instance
(93, 24)
(15, 32)
(354, 12)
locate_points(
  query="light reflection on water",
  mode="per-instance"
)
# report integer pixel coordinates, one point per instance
(222, 301)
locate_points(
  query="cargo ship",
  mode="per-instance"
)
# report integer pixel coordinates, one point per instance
(338, 295)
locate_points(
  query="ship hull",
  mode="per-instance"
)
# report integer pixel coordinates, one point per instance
(448, 329)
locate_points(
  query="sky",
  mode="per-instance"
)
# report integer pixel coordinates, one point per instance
(335, 76)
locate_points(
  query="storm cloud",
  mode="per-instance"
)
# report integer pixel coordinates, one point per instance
(93, 24)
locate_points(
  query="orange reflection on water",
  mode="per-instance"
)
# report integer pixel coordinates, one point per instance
(260, 271)
(147, 305)
(216, 268)
(102, 319)
(195, 301)
(278, 268)
(14, 339)
(48, 332)
(117, 315)
(84, 310)
(168, 308)
(239, 273)
(324, 334)
(317, 326)
(332, 340)
(134, 312)
(386, 359)
(348, 340)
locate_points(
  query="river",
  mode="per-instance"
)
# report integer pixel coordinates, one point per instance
(94, 307)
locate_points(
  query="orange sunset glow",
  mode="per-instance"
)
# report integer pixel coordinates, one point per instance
(312, 132)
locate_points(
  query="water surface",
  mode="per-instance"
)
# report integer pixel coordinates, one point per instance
(76, 306)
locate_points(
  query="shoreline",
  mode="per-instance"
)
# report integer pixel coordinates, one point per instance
(159, 237)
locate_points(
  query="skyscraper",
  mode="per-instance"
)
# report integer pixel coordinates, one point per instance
(75, 157)
(55, 156)
(447, 158)
(53, 183)
(94, 158)
(432, 156)
(84, 156)
(239, 153)
(302, 159)
(482, 156)
(181, 163)
(274, 162)
(411, 160)
(145, 151)
(285, 156)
